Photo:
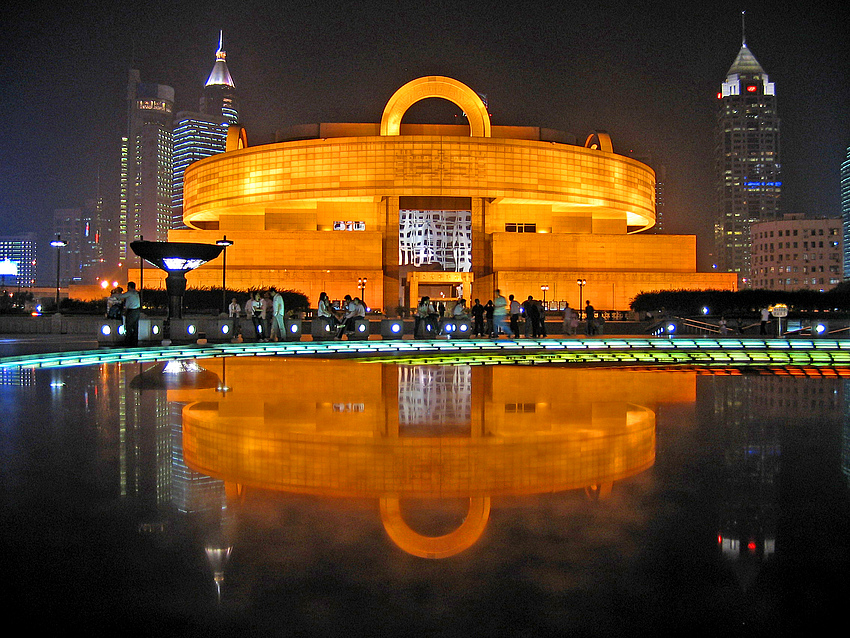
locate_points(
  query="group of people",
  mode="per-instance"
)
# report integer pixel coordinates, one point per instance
(594, 321)
(126, 305)
(266, 311)
(341, 322)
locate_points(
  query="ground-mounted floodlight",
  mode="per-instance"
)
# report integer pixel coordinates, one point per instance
(392, 328)
(176, 259)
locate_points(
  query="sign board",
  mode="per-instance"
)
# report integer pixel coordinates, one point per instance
(779, 310)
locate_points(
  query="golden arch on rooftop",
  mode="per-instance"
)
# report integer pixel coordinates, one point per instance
(441, 87)
(599, 141)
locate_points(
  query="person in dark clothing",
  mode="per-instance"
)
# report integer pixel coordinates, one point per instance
(478, 318)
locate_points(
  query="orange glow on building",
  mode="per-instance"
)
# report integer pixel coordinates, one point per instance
(582, 209)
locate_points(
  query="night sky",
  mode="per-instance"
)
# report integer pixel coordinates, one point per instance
(647, 73)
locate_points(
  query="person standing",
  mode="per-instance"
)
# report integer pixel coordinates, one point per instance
(489, 325)
(266, 314)
(515, 310)
(132, 312)
(477, 318)
(252, 312)
(500, 315)
(233, 309)
(765, 317)
(541, 318)
(278, 327)
(570, 321)
(590, 315)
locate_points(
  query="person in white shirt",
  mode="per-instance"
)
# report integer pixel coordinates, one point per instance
(233, 309)
(278, 325)
(252, 311)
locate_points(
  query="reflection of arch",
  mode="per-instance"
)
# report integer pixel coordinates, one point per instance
(435, 546)
(436, 86)
(236, 138)
(599, 141)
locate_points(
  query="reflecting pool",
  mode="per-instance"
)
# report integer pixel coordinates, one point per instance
(279, 496)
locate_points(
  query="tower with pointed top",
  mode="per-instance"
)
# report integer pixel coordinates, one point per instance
(199, 135)
(747, 163)
(219, 98)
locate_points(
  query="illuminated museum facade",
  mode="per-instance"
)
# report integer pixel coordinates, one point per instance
(435, 209)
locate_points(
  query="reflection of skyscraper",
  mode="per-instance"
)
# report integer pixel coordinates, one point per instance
(746, 161)
(146, 164)
(199, 135)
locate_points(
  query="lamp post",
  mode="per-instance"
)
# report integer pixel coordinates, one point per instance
(581, 284)
(544, 288)
(224, 242)
(58, 244)
(361, 286)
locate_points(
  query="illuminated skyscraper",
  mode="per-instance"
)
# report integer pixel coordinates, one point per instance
(199, 135)
(18, 260)
(146, 164)
(219, 97)
(845, 209)
(748, 182)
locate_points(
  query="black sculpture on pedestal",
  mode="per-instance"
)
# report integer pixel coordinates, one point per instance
(176, 259)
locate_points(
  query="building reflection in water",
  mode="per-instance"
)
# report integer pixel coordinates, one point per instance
(340, 429)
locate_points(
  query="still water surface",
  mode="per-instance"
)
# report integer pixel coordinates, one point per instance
(264, 496)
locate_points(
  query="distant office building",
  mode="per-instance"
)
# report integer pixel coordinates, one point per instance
(146, 164)
(199, 135)
(748, 182)
(845, 210)
(18, 260)
(85, 231)
(797, 252)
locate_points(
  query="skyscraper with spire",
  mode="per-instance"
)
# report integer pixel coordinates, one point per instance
(747, 163)
(200, 134)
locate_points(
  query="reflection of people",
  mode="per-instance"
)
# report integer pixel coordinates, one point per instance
(132, 310)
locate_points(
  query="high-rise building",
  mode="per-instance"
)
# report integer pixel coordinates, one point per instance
(85, 231)
(748, 182)
(146, 164)
(796, 252)
(199, 135)
(18, 259)
(845, 209)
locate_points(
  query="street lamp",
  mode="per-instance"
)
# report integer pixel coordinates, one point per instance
(361, 286)
(544, 288)
(224, 242)
(581, 284)
(58, 244)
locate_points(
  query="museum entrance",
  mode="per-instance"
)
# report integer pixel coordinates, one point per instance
(435, 248)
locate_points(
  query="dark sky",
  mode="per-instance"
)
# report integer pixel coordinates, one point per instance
(646, 72)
